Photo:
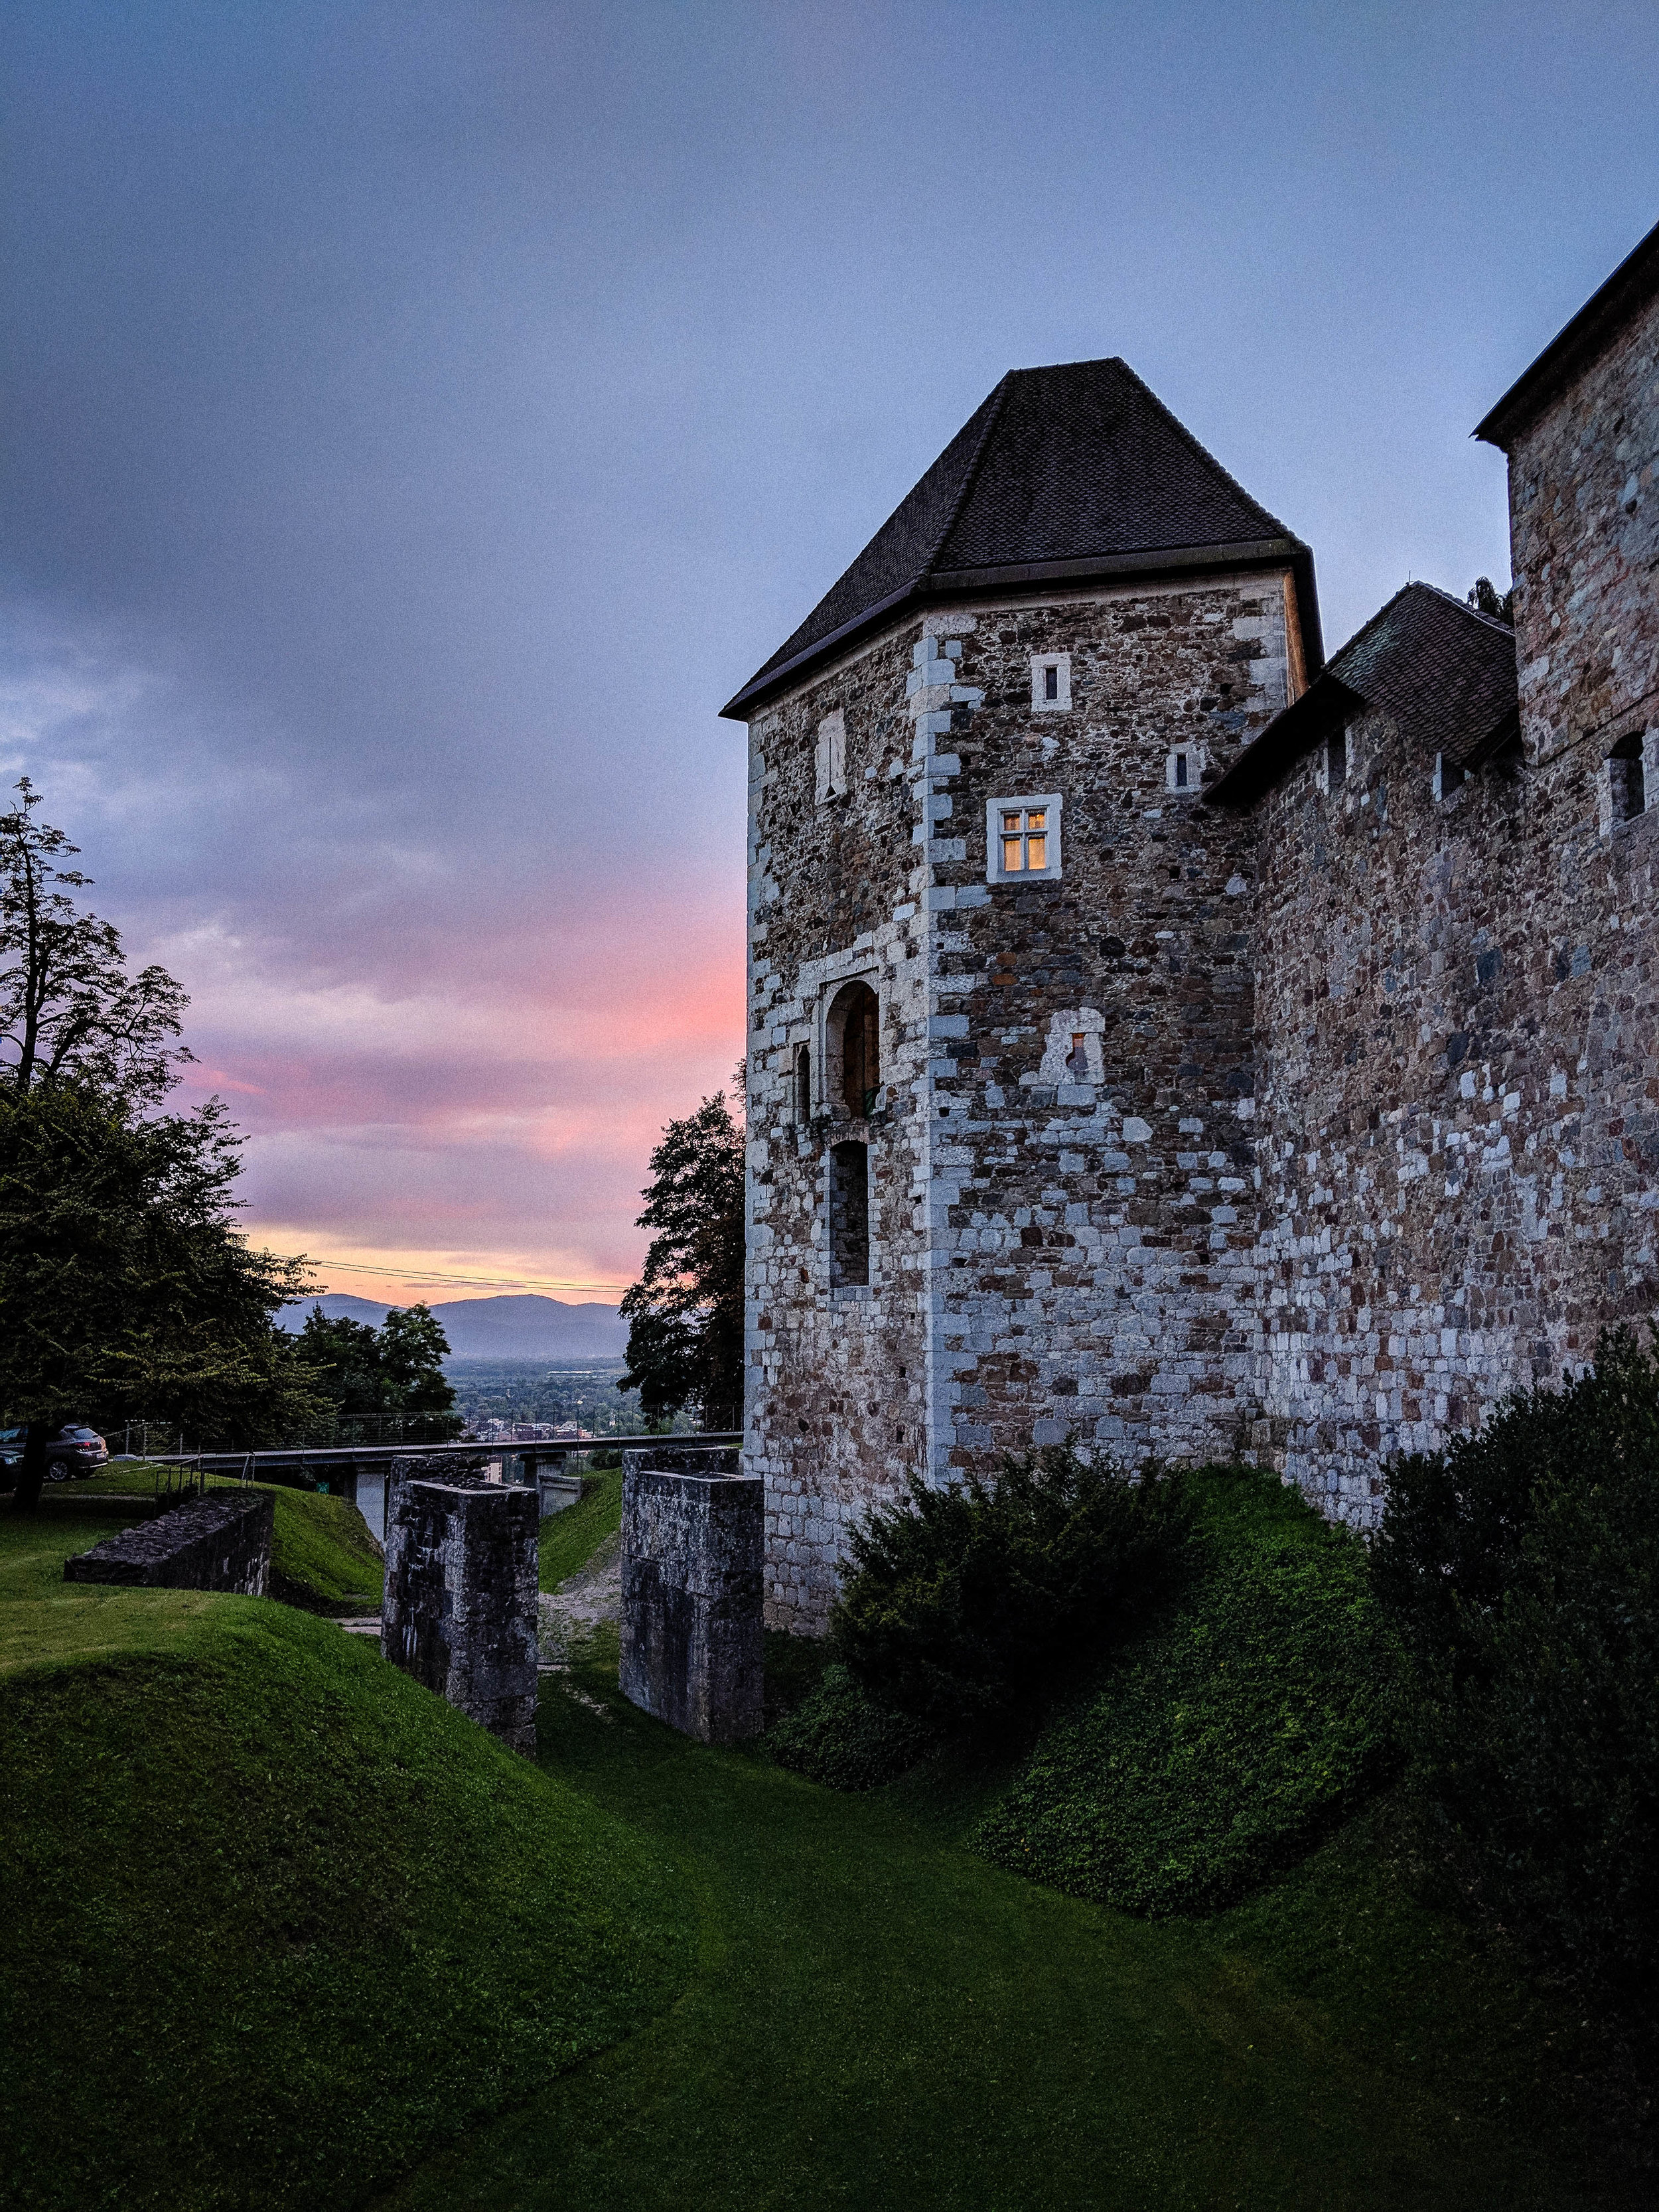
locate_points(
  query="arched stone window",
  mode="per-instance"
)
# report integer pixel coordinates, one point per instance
(1627, 778)
(853, 1050)
(849, 1215)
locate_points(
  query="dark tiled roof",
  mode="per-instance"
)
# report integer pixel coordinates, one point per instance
(1070, 472)
(1603, 315)
(1444, 673)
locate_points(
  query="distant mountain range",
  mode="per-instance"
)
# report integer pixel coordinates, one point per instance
(522, 1326)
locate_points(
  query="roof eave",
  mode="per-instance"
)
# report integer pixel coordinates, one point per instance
(970, 583)
(1290, 734)
(1627, 292)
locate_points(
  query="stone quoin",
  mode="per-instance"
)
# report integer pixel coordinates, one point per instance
(1160, 1038)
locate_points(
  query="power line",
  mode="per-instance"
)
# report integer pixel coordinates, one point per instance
(418, 1275)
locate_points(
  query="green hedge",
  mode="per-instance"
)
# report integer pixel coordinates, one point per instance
(1229, 1734)
(841, 1736)
(1521, 1567)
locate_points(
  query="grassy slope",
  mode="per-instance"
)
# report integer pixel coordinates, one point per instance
(1231, 1733)
(276, 1919)
(880, 2017)
(570, 1538)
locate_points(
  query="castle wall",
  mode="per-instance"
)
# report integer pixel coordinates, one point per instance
(1457, 1004)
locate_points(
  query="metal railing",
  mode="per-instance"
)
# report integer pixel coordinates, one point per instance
(179, 1474)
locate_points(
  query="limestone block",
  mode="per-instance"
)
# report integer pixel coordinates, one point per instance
(460, 1607)
(693, 1543)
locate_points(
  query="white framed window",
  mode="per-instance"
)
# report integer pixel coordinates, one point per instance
(1051, 683)
(832, 758)
(1022, 837)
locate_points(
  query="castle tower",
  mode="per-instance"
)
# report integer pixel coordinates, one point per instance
(1000, 1088)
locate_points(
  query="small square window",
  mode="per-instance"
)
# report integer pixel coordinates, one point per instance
(1051, 683)
(1022, 839)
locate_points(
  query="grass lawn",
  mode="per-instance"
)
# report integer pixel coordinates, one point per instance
(570, 1538)
(277, 1919)
(880, 2017)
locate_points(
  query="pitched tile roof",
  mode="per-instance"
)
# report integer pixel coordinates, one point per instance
(1068, 472)
(1443, 672)
(1603, 315)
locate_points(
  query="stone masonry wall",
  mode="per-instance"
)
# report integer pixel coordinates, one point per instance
(218, 1542)
(459, 1613)
(1054, 1246)
(1458, 1005)
(693, 1541)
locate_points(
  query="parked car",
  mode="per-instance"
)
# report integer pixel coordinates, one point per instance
(11, 1447)
(74, 1451)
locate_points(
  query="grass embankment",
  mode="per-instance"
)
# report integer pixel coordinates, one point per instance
(881, 2018)
(570, 1538)
(1239, 1727)
(276, 1919)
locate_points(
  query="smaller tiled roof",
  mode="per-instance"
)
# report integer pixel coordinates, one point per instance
(1443, 672)
(1063, 474)
(1598, 322)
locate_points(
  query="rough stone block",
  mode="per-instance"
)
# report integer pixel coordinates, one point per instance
(460, 1607)
(219, 1542)
(693, 1542)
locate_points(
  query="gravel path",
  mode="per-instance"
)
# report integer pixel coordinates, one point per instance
(582, 1600)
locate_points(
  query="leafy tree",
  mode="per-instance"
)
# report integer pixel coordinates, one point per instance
(685, 1313)
(125, 1288)
(392, 1373)
(1521, 1567)
(69, 1010)
(1486, 598)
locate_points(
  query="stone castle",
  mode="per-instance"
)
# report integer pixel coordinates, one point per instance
(1161, 1035)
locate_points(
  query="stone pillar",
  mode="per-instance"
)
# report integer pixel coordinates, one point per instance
(693, 1542)
(460, 1607)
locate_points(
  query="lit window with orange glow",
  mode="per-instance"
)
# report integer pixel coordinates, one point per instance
(1022, 838)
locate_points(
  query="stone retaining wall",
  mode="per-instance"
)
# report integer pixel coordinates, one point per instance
(219, 1542)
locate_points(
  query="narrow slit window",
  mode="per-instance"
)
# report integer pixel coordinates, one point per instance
(1336, 759)
(1628, 779)
(804, 1083)
(1051, 681)
(849, 1216)
(1181, 771)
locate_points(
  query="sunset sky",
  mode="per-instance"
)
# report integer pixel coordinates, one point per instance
(420, 418)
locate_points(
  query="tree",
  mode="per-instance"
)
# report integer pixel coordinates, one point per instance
(392, 1373)
(68, 1006)
(125, 1285)
(685, 1313)
(1486, 598)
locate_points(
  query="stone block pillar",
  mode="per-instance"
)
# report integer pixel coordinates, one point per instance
(460, 1609)
(693, 1545)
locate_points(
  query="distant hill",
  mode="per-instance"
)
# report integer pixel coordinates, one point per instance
(521, 1327)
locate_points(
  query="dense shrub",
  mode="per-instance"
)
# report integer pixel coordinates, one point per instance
(841, 1736)
(1233, 1729)
(965, 1604)
(1521, 1567)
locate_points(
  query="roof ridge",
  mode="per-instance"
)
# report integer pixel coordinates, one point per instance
(1476, 613)
(998, 400)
